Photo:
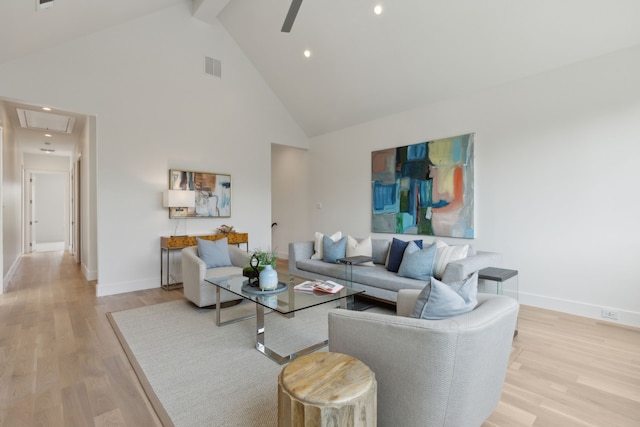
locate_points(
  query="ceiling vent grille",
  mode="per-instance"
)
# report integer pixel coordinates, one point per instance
(38, 120)
(44, 4)
(213, 66)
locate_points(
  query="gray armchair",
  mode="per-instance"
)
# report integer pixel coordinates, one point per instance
(194, 271)
(446, 373)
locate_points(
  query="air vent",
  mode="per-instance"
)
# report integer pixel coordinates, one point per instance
(39, 120)
(44, 4)
(213, 66)
(48, 150)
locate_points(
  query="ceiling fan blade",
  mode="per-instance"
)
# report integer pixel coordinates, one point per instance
(291, 15)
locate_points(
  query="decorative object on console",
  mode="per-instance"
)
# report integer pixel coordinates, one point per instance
(225, 229)
(212, 193)
(425, 188)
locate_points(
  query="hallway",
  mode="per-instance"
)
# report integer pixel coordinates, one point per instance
(60, 362)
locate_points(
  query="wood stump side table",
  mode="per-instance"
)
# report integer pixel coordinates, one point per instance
(327, 389)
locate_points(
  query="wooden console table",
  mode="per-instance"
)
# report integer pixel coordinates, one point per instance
(170, 243)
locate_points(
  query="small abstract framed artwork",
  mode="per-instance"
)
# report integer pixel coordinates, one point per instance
(424, 188)
(212, 191)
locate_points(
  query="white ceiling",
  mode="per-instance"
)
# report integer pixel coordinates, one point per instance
(418, 51)
(33, 140)
(365, 66)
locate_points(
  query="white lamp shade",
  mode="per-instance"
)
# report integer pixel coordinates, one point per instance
(178, 199)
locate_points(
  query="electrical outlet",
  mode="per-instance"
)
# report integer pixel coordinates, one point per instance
(609, 314)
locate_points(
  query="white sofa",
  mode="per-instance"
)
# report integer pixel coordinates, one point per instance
(194, 271)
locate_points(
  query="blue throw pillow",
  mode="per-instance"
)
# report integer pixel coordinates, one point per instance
(334, 250)
(440, 301)
(396, 251)
(214, 253)
(418, 263)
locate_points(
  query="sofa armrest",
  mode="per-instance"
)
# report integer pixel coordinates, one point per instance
(457, 271)
(406, 301)
(299, 250)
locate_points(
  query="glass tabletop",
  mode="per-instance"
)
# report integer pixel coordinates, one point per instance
(285, 301)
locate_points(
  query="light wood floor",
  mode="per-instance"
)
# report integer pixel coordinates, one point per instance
(61, 365)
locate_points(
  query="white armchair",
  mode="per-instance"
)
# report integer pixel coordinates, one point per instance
(446, 373)
(194, 271)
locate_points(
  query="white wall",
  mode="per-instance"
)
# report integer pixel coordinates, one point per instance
(290, 181)
(11, 198)
(556, 179)
(156, 109)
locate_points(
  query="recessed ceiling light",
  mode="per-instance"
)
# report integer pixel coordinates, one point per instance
(377, 9)
(46, 108)
(307, 53)
(48, 135)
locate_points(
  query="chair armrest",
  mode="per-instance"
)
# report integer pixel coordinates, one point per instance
(194, 271)
(406, 301)
(457, 271)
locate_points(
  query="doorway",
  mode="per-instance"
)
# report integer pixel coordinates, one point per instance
(47, 211)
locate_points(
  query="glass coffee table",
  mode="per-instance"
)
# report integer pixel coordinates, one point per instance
(284, 300)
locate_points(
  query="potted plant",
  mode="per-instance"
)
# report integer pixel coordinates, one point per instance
(264, 258)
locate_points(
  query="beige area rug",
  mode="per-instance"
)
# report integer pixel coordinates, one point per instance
(198, 374)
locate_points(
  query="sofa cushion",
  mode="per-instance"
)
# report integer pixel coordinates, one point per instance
(334, 250)
(445, 254)
(417, 263)
(440, 301)
(380, 250)
(318, 252)
(396, 251)
(362, 247)
(214, 253)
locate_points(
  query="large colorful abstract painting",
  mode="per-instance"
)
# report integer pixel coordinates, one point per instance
(424, 188)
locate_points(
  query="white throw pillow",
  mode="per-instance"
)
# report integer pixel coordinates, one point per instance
(362, 247)
(445, 254)
(318, 252)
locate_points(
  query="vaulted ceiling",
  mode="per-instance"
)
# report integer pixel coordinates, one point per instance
(362, 65)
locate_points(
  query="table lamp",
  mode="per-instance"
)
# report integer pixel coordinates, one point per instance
(179, 200)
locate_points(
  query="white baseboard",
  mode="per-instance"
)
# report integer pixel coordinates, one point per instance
(88, 274)
(123, 287)
(625, 317)
(10, 273)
